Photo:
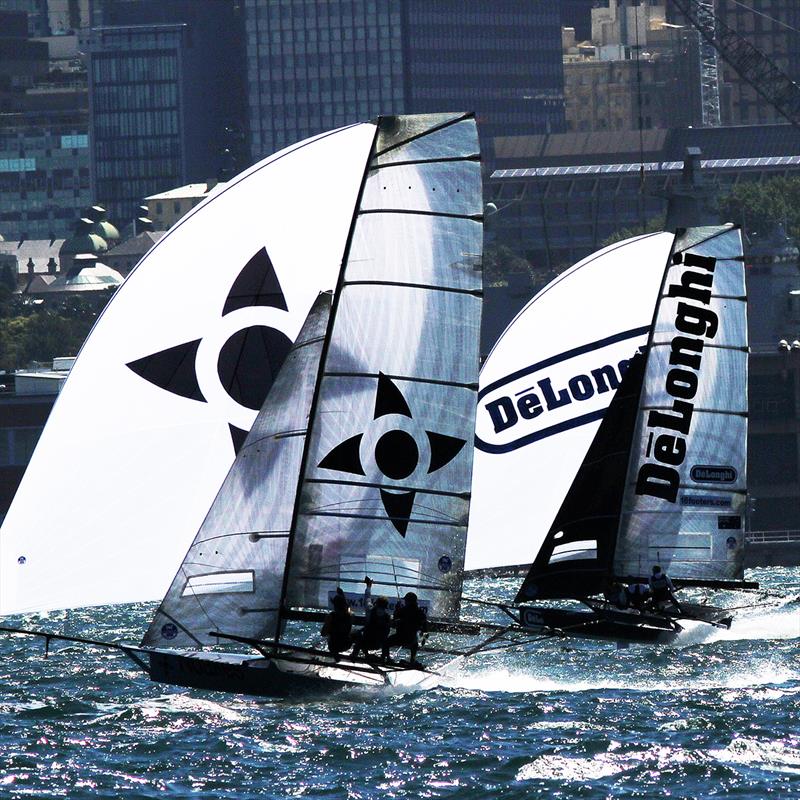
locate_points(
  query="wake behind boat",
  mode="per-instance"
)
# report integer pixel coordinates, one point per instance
(360, 460)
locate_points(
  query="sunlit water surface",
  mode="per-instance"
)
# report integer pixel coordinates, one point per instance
(717, 714)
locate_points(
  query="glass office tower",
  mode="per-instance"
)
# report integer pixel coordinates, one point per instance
(313, 65)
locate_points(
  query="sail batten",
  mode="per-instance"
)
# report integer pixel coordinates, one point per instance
(685, 499)
(241, 548)
(388, 472)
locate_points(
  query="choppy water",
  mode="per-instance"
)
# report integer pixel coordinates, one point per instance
(716, 715)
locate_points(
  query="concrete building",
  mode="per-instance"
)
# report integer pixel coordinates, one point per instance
(635, 71)
(166, 208)
(314, 66)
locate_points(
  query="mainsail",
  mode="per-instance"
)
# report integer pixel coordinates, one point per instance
(231, 577)
(663, 481)
(386, 482)
(685, 495)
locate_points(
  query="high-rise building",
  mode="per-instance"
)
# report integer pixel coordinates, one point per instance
(318, 64)
(44, 162)
(165, 94)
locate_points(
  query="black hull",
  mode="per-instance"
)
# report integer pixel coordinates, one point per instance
(605, 623)
(595, 624)
(278, 677)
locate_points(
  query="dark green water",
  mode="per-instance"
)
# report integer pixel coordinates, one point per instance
(717, 715)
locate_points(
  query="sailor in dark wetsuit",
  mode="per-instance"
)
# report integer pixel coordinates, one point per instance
(376, 631)
(637, 595)
(662, 589)
(409, 620)
(338, 625)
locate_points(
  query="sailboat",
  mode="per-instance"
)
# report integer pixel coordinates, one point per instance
(664, 480)
(359, 461)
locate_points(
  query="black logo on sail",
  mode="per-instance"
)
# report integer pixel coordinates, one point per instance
(706, 474)
(397, 454)
(248, 361)
(695, 325)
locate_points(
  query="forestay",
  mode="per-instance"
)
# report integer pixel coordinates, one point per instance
(685, 494)
(386, 484)
(231, 577)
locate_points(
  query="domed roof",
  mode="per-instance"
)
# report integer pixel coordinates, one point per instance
(84, 241)
(86, 275)
(102, 227)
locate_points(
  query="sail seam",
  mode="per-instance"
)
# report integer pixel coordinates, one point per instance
(418, 520)
(696, 410)
(441, 126)
(427, 286)
(473, 387)
(446, 215)
(710, 345)
(438, 492)
(742, 298)
(416, 161)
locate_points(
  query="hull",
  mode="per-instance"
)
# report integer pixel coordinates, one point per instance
(275, 677)
(608, 624)
(605, 625)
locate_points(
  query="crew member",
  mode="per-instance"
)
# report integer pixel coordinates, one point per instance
(637, 594)
(615, 595)
(338, 625)
(375, 632)
(409, 620)
(662, 589)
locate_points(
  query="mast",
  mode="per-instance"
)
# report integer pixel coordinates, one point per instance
(318, 383)
(385, 484)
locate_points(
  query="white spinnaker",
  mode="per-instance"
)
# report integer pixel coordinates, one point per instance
(578, 328)
(125, 471)
(685, 493)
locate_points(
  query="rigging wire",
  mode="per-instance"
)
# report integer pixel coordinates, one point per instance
(777, 21)
(641, 121)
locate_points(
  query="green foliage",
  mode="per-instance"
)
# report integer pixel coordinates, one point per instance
(500, 261)
(651, 226)
(41, 330)
(759, 205)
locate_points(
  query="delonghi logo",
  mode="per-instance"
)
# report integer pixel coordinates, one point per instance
(248, 360)
(396, 455)
(565, 391)
(661, 477)
(707, 474)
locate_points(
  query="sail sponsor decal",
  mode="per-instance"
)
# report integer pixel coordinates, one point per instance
(565, 391)
(396, 454)
(695, 324)
(731, 522)
(251, 346)
(713, 474)
(705, 500)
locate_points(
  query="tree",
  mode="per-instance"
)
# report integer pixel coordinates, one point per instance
(651, 226)
(760, 205)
